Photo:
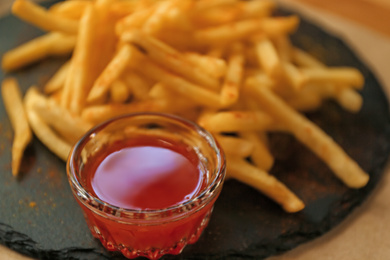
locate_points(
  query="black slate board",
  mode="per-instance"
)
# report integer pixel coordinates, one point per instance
(245, 224)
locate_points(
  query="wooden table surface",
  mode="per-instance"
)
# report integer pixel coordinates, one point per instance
(365, 234)
(374, 14)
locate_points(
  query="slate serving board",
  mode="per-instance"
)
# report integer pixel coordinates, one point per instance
(245, 224)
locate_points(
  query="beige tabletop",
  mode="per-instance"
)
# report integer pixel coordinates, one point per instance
(365, 25)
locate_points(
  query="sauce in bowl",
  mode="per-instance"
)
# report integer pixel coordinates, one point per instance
(146, 183)
(145, 174)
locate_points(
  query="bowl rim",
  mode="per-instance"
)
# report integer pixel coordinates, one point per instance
(106, 209)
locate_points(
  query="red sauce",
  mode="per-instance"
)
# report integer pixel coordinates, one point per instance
(144, 175)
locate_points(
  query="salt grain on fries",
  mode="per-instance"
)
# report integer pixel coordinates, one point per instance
(229, 65)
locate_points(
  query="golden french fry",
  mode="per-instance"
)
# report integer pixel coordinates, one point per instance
(40, 17)
(78, 84)
(349, 99)
(119, 92)
(69, 126)
(305, 101)
(139, 85)
(57, 81)
(214, 12)
(284, 47)
(245, 172)
(216, 15)
(56, 44)
(337, 75)
(156, 20)
(275, 26)
(252, 9)
(226, 33)
(177, 18)
(237, 121)
(117, 65)
(173, 105)
(85, 64)
(167, 56)
(134, 20)
(235, 145)
(123, 8)
(204, 4)
(304, 59)
(313, 137)
(268, 57)
(178, 84)
(99, 113)
(210, 64)
(43, 131)
(261, 155)
(293, 75)
(13, 103)
(239, 30)
(233, 78)
(70, 9)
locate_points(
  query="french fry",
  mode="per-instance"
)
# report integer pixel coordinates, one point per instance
(237, 121)
(68, 126)
(44, 133)
(210, 64)
(173, 105)
(349, 99)
(133, 20)
(78, 84)
(214, 13)
(343, 76)
(12, 98)
(293, 75)
(252, 9)
(313, 137)
(239, 30)
(232, 82)
(69, 9)
(304, 59)
(178, 18)
(50, 44)
(178, 84)
(268, 57)
(85, 64)
(235, 146)
(40, 17)
(244, 172)
(284, 47)
(204, 4)
(155, 21)
(168, 57)
(99, 113)
(261, 155)
(57, 81)
(276, 26)
(123, 8)
(139, 85)
(119, 62)
(119, 92)
(226, 33)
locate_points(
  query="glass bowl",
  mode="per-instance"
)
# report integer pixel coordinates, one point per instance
(148, 232)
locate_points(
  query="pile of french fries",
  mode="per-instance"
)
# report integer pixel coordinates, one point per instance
(228, 65)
